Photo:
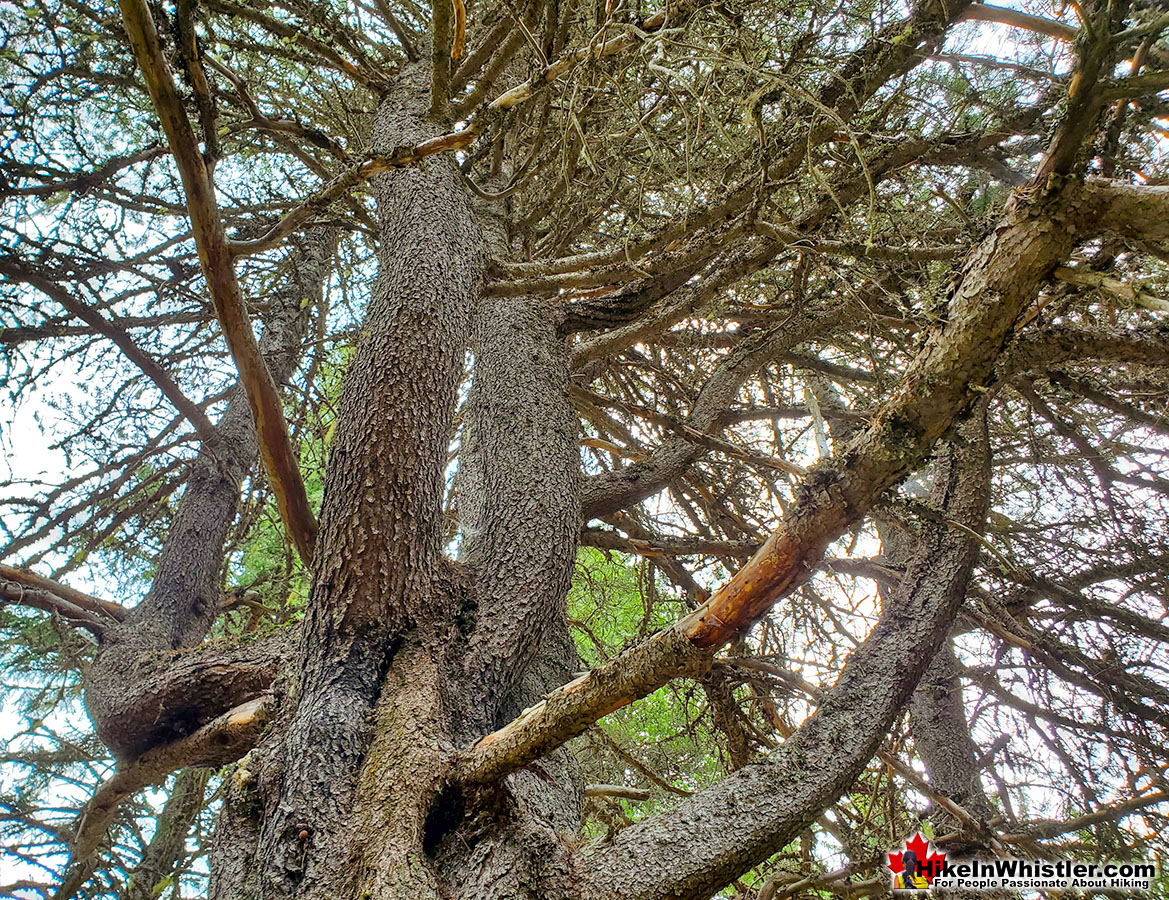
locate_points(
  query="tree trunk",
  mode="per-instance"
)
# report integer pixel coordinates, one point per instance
(134, 691)
(167, 849)
(400, 661)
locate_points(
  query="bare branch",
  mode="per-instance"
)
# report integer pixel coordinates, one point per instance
(222, 740)
(441, 40)
(988, 12)
(1052, 828)
(11, 592)
(150, 367)
(618, 791)
(754, 812)
(276, 450)
(1001, 277)
(90, 604)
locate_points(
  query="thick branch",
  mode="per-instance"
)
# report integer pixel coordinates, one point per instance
(276, 450)
(183, 602)
(519, 503)
(1132, 211)
(222, 740)
(987, 12)
(1000, 278)
(441, 38)
(153, 699)
(1059, 344)
(87, 602)
(941, 734)
(718, 834)
(11, 592)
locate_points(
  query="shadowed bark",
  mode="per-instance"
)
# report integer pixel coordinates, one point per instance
(518, 493)
(408, 740)
(997, 282)
(382, 605)
(941, 734)
(136, 691)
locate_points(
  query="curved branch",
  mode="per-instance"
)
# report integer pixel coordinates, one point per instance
(721, 832)
(988, 12)
(608, 493)
(1058, 344)
(79, 599)
(219, 742)
(150, 367)
(11, 592)
(1001, 277)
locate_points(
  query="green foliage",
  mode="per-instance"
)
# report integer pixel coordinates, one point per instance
(612, 603)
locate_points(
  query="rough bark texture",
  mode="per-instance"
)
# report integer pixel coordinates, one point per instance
(709, 840)
(399, 660)
(381, 591)
(941, 734)
(519, 502)
(422, 713)
(937, 718)
(1000, 277)
(518, 496)
(168, 848)
(183, 600)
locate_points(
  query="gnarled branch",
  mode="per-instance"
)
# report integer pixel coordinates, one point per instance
(222, 740)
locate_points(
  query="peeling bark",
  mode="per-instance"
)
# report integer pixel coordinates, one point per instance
(697, 848)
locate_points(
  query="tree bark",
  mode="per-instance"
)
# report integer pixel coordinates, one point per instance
(518, 497)
(383, 601)
(406, 659)
(405, 654)
(937, 719)
(131, 690)
(168, 847)
(697, 848)
(941, 734)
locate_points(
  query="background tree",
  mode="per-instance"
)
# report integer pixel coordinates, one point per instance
(781, 384)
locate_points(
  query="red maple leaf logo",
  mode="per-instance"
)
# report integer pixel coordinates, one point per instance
(927, 863)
